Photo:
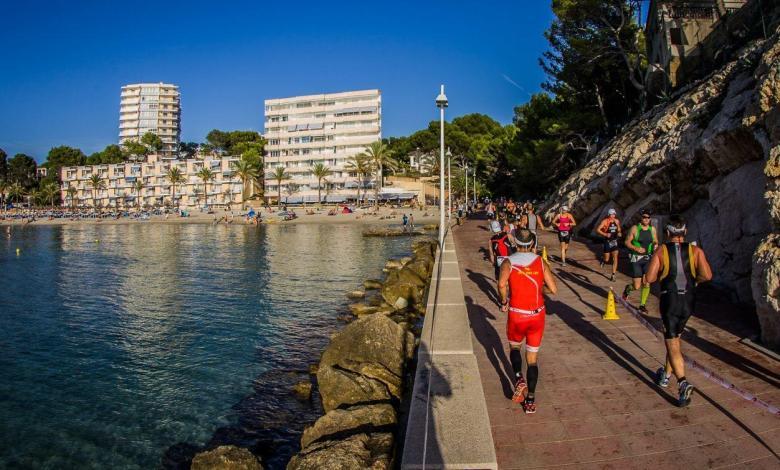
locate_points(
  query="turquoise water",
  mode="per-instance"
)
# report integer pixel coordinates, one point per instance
(118, 342)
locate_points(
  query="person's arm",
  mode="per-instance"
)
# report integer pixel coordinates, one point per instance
(539, 222)
(503, 285)
(655, 266)
(655, 238)
(619, 227)
(549, 279)
(630, 238)
(573, 221)
(490, 252)
(703, 269)
(556, 219)
(601, 230)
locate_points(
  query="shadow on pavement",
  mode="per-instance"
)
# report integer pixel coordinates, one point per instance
(577, 322)
(491, 342)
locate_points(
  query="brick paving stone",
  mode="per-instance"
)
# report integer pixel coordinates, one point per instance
(597, 404)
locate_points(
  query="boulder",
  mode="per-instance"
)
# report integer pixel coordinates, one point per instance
(403, 287)
(368, 418)
(363, 363)
(226, 458)
(302, 390)
(393, 264)
(371, 284)
(356, 294)
(361, 451)
(362, 309)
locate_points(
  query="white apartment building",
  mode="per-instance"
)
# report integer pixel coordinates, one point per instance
(120, 179)
(305, 130)
(151, 107)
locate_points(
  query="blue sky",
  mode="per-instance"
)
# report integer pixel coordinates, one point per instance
(63, 62)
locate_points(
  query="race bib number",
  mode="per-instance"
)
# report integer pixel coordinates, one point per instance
(565, 233)
(613, 243)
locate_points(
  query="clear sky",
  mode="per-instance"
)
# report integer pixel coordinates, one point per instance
(63, 62)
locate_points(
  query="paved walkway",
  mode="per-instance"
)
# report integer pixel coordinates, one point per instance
(597, 405)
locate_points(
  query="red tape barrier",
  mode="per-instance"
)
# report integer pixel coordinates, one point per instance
(708, 373)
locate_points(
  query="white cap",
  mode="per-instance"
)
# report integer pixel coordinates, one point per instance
(564, 208)
(612, 212)
(495, 226)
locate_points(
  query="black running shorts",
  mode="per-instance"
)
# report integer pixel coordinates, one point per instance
(676, 309)
(564, 237)
(610, 246)
(639, 268)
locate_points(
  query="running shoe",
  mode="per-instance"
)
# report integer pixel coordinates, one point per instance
(661, 379)
(643, 309)
(601, 264)
(685, 394)
(529, 406)
(612, 277)
(563, 264)
(521, 390)
(626, 291)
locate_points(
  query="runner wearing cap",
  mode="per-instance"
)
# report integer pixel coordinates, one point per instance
(521, 283)
(641, 242)
(609, 228)
(681, 266)
(564, 222)
(500, 245)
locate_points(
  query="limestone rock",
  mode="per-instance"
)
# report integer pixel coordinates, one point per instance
(364, 362)
(361, 451)
(226, 458)
(356, 294)
(372, 284)
(302, 390)
(362, 309)
(338, 422)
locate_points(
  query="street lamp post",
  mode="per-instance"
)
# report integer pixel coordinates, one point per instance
(441, 103)
(449, 185)
(466, 199)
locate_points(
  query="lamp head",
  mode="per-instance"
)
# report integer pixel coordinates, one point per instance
(441, 100)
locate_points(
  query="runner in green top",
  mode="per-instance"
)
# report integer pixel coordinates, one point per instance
(641, 242)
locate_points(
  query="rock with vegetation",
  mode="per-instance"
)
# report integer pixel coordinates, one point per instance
(362, 309)
(372, 284)
(356, 294)
(389, 232)
(708, 154)
(368, 418)
(226, 458)
(361, 451)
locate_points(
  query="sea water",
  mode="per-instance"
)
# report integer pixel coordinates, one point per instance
(130, 346)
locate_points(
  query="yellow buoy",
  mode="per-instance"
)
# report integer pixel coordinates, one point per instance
(18, 252)
(610, 313)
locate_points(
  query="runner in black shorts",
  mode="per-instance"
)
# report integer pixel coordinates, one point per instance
(609, 228)
(641, 242)
(678, 266)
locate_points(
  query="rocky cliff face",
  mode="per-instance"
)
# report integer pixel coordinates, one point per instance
(713, 154)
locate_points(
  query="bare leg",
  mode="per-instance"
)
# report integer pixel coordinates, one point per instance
(675, 357)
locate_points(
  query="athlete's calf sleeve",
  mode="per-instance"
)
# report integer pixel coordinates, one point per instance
(516, 358)
(645, 295)
(533, 377)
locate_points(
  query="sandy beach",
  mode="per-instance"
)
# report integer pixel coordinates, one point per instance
(385, 216)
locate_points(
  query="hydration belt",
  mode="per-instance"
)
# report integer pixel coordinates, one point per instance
(526, 312)
(678, 292)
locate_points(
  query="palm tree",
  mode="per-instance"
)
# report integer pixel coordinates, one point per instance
(361, 166)
(320, 171)
(279, 175)
(247, 172)
(380, 157)
(49, 191)
(96, 184)
(138, 186)
(206, 175)
(72, 191)
(14, 192)
(176, 178)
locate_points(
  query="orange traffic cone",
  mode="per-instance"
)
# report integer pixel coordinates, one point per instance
(610, 313)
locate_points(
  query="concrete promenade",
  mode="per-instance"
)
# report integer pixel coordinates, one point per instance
(597, 404)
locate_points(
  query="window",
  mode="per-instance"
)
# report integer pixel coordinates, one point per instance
(305, 104)
(273, 142)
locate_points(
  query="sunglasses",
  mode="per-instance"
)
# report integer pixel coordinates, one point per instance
(645, 216)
